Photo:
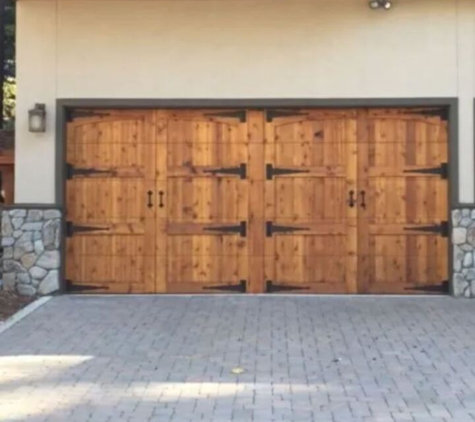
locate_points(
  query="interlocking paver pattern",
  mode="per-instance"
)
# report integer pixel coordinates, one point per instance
(170, 359)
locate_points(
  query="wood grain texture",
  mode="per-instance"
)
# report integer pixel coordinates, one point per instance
(394, 255)
(315, 249)
(289, 180)
(119, 257)
(199, 255)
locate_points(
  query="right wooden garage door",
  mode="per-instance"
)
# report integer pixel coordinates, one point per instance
(403, 194)
(356, 201)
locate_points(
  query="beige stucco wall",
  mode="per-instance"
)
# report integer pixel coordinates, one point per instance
(237, 49)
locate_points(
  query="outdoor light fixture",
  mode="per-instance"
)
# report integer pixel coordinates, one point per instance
(37, 119)
(380, 4)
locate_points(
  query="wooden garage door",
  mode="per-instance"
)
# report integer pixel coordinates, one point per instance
(403, 193)
(110, 229)
(203, 217)
(297, 201)
(311, 160)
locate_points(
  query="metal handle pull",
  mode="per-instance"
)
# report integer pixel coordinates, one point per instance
(160, 195)
(351, 200)
(150, 195)
(363, 199)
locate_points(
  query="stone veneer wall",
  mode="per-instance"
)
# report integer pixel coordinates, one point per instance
(31, 256)
(463, 239)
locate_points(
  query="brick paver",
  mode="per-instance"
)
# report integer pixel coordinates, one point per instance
(171, 359)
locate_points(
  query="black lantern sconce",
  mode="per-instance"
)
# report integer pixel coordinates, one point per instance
(37, 119)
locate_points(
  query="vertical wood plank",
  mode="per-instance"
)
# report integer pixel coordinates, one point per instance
(256, 233)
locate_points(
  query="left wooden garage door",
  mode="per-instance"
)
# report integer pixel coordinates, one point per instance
(111, 230)
(158, 201)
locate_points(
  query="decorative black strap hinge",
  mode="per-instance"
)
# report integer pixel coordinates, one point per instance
(239, 114)
(272, 288)
(77, 288)
(240, 171)
(442, 229)
(432, 288)
(272, 171)
(240, 288)
(73, 114)
(241, 229)
(442, 171)
(72, 229)
(272, 228)
(72, 171)
(272, 114)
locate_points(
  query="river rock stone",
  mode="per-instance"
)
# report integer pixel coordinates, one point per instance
(18, 213)
(36, 226)
(459, 235)
(49, 260)
(22, 247)
(28, 260)
(39, 247)
(456, 217)
(17, 223)
(466, 222)
(467, 259)
(469, 275)
(460, 284)
(7, 228)
(24, 278)
(35, 215)
(52, 214)
(10, 265)
(26, 290)
(8, 241)
(51, 234)
(8, 253)
(471, 236)
(50, 283)
(38, 273)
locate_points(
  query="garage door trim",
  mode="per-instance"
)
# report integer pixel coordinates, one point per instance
(63, 107)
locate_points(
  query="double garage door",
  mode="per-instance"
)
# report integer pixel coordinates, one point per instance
(293, 201)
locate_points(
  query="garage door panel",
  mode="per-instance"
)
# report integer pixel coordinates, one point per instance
(206, 260)
(296, 255)
(207, 212)
(111, 228)
(402, 229)
(308, 245)
(107, 199)
(313, 143)
(207, 200)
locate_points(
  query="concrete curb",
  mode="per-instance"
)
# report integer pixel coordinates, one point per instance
(23, 313)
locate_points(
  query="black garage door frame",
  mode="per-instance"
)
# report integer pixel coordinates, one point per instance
(63, 107)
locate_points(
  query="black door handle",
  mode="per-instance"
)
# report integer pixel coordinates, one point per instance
(150, 195)
(351, 200)
(160, 195)
(363, 199)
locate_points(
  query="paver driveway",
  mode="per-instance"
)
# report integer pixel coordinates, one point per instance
(304, 359)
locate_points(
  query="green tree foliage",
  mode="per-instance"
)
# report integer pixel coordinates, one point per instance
(9, 85)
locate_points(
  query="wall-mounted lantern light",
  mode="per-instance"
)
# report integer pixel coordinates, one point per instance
(380, 4)
(37, 119)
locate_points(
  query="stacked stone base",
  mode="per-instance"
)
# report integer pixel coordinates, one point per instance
(31, 250)
(463, 239)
